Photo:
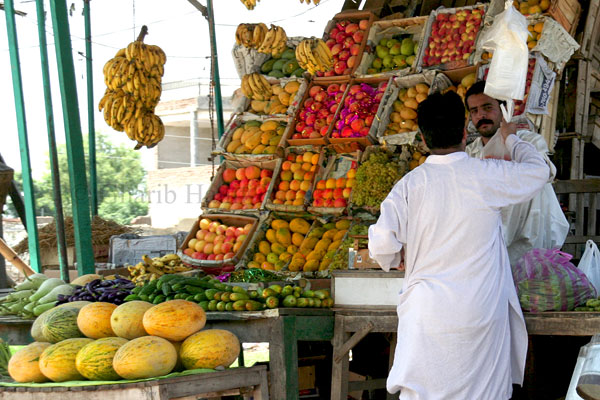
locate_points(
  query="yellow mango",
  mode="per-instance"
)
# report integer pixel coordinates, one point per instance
(270, 149)
(411, 103)
(277, 248)
(254, 264)
(284, 98)
(343, 224)
(281, 130)
(242, 149)
(311, 265)
(411, 92)
(330, 234)
(408, 113)
(322, 245)
(285, 256)
(265, 138)
(270, 235)
(283, 236)
(297, 239)
(422, 88)
(315, 255)
(264, 247)
(234, 144)
(260, 149)
(309, 243)
(237, 134)
(253, 140)
(421, 97)
(292, 249)
(269, 125)
(274, 141)
(324, 264)
(277, 89)
(299, 225)
(296, 264)
(334, 245)
(258, 106)
(279, 224)
(292, 87)
(259, 258)
(340, 235)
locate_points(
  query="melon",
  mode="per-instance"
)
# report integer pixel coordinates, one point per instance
(145, 357)
(94, 320)
(95, 360)
(61, 324)
(85, 279)
(36, 327)
(126, 320)
(174, 320)
(179, 365)
(24, 365)
(210, 348)
(57, 362)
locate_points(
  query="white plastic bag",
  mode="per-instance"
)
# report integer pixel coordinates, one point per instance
(507, 38)
(495, 148)
(590, 263)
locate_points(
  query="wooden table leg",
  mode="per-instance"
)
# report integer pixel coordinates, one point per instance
(283, 354)
(261, 392)
(393, 341)
(339, 370)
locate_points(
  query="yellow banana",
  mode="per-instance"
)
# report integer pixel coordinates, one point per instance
(268, 41)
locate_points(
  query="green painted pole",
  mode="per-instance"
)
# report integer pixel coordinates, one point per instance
(75, 154)
(15, 66)
(91, 108)
(215, 60)
(59, 218)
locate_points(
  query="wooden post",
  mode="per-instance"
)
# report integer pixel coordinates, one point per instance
(339, 370)
(76, 158)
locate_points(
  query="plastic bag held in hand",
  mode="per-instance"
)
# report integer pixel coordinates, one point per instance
(508, 71)
(590, 263)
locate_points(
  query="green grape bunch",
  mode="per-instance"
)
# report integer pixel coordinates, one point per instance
(340, 260)
(375, 178)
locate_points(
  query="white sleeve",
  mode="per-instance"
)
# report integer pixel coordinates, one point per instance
(513, 182)
(542, 147)
(388, 235)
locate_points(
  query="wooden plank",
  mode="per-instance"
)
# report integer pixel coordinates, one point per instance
(241, 315)
(581, 239)
(563, 324)
(277, 361)
(314, 328)
(250, 331)
(577, 186)
(369, 384)
(339, 370)
(393, 342)
(290, 350)
(381, 324)
(579, 216)
(592, 207)
(343, 350)
(212, 382)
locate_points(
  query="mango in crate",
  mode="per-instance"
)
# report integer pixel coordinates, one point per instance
(404, 115)
(335, 192)
(393, 54)
(535, 34)
(295, 179)
(254, 137)
(282, 97)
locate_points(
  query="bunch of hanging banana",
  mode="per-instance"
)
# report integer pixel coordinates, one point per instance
(275, 41)
(314, 55)
(315, 2)
(251, 35)
(133, 80)
(250, 4)
(256, 87)
(152, 268)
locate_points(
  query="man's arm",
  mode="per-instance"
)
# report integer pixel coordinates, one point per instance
(542, 147)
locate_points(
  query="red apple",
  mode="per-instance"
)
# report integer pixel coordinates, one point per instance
(240, 174)
(338, 193)
(219, 197)
(313, 91)
(211, 257)
(352, 61)
(318, 203)
(346, 192)
(333, 88)
(344, 55)
(363, 24)
(340, 202)
(339, 67)
(229, 175)
(358, 36)
(336, 49)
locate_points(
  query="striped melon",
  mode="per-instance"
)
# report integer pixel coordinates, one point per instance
(174, 320)
(126, 320)
(94, 320)
(24, 365)
(210, 348)
(61, 325)
(95, 360)
(145, 357)
(36, 328)
(57, 362)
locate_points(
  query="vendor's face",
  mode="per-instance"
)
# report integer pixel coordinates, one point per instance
(485, 113)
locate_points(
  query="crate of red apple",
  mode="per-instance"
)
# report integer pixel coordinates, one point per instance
(354, 127)
(240, 186)
(316, 113)
(217, 239)
(346, 36)
(451, 37)
(333, 186)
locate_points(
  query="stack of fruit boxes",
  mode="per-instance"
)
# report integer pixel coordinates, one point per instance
(332, 188)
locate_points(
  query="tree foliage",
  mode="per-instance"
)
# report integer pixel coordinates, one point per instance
(120, 182)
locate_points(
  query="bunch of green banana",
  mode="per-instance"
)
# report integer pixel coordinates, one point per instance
(133, 80)
(256, 87)
(152, 268)
(314, 55)
(250, 4)
(251, 35)
(275, 41)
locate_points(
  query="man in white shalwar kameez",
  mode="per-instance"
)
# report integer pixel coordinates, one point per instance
(461, 332)
(535, 224)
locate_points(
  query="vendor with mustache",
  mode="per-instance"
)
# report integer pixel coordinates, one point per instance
(538, 223)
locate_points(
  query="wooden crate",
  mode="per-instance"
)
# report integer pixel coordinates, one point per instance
(566, 13)
(372, 289)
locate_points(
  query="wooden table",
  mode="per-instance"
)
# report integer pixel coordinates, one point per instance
(352, 325)
(15, 330)
(282, 328)
(245, 381)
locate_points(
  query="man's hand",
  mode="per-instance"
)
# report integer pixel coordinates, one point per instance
(507, 129)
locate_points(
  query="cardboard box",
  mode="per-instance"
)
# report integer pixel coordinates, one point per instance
(371, 289)
(128, 249)
(306, 377)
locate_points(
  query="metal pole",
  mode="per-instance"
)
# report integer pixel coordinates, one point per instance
(91, 108)
(32, 233)
(54, 169)
(215, 57)
(75, 155)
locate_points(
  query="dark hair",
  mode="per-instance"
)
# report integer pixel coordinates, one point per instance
(442, 120)
(478, 88)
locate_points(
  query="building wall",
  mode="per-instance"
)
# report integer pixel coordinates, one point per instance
(176, 194)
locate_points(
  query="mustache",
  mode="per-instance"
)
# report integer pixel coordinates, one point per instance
(484, 121)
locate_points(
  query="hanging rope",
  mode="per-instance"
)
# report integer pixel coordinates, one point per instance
(211, 114)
